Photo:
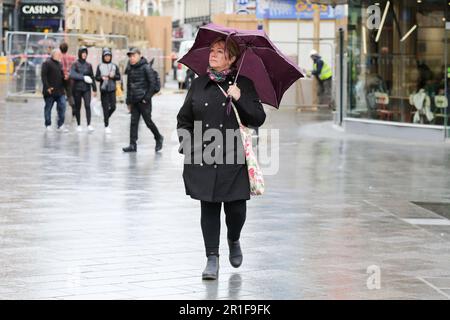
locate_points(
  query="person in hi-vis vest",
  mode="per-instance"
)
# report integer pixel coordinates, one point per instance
(323, 73)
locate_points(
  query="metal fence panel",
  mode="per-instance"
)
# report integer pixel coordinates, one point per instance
(26, 51)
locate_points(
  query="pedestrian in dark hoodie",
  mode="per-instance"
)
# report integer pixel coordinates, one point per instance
(53, 90)
(107, 74)
(83, 75)
(141, 85)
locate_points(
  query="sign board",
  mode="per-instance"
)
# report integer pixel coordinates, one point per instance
(295, 9)
(245, 6)
(41, 9)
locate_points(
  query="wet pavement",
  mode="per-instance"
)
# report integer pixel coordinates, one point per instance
(79, 219)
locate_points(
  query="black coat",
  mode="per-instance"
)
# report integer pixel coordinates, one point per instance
(140, 84)
(52, 77)
(79, 69)
(218, 180)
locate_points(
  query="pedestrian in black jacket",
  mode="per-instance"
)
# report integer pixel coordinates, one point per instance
(224, 177)
(83, 79)
(53, 90)
(141, 85)
(107, 74)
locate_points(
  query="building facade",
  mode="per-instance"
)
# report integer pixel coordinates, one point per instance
(189, 15)
(144, 7)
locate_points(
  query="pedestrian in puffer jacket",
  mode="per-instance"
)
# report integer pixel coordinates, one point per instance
(83, 80)
(107, 74)
(139, 83)
(140, 88)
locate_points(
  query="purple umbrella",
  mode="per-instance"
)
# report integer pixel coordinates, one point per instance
(270, 70)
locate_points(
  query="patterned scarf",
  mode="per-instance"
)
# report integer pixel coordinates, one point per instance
(218, 76)
(221, 76)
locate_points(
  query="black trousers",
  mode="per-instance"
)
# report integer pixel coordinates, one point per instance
(144, 109)
(68, 90)
(86, 96)
(235, 214)
(108, 105)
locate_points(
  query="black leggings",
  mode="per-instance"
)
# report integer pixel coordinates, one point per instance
(235, 213)
(108, 104)
(86, 96)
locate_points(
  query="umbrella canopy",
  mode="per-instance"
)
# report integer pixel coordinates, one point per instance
(270, 70)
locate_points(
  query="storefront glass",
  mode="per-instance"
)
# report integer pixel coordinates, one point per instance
(398, 61)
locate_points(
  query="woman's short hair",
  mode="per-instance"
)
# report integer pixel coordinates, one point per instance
(231, 48)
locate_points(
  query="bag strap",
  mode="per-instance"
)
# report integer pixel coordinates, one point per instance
(232, 104)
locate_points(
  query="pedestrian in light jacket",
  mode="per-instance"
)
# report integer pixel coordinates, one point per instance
(107, 74)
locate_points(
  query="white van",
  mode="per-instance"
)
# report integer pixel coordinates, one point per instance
(184, 75)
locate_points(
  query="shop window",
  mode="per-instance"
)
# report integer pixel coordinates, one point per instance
(402, 60)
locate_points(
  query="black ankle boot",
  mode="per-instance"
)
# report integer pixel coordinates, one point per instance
(130, 148)
(159, 143)
(235, 253)
(211, 271)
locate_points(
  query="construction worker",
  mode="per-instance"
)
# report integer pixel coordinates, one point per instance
(323, 73)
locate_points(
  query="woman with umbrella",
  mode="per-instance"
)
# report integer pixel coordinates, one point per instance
(220, 182)
(226, 80)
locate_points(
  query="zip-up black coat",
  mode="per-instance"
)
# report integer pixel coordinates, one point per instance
(140, 85)
(52, 77)
(217, 181)
(79, 69)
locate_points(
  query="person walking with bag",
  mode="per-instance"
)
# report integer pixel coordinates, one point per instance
(219, 181)
(141, 86)
(107, 74)
(53, 90)
(83, 80)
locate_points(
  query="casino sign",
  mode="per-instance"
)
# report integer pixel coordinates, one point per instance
(41, 9)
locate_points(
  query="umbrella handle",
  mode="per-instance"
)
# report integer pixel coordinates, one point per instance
(228, 100)
(240, 66)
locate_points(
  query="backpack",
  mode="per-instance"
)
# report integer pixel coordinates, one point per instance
(155, 77)
(157, 80)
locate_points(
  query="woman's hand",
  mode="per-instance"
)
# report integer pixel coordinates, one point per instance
(234, 91)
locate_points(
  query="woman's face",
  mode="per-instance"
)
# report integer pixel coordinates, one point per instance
(218, 60)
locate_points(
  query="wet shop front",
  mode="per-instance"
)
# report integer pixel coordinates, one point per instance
(398, 68)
